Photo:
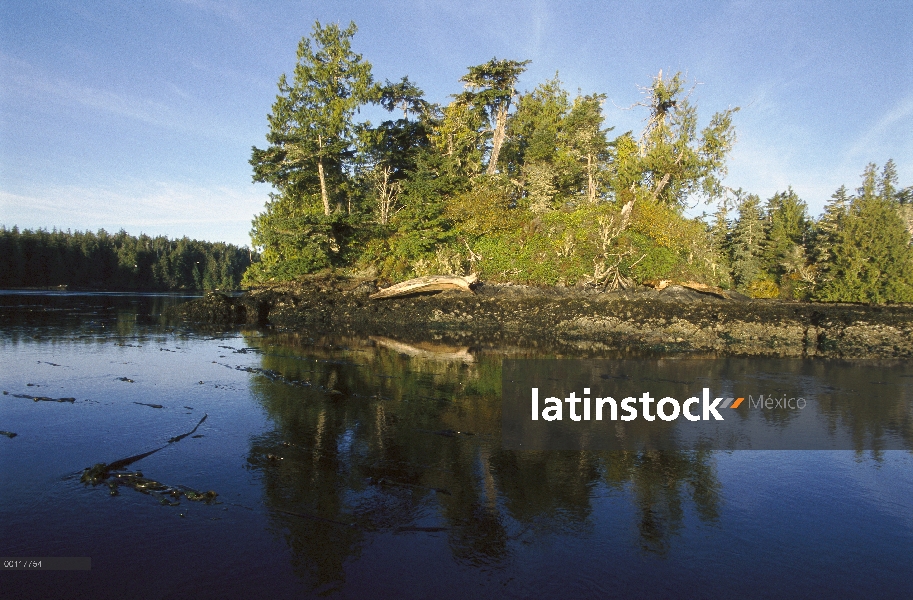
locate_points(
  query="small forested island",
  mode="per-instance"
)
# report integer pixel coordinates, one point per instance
(535, 188)
(579, 239)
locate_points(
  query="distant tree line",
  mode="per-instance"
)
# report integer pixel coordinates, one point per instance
(87, 260)
(529, 187)
(859, 250)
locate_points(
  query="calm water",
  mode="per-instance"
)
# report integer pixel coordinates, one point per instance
(368, 468)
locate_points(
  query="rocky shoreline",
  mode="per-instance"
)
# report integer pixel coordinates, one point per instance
(565, 320)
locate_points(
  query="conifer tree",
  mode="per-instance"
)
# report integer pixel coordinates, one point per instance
(825, 231)
(786, 228)
(887, 185)
(871, 259)
(747, 236)
(586, 139)
(534, 143)
(490, 91)
(720, 242)
(674, 161)
(311, 128)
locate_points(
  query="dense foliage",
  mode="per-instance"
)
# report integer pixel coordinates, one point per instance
(529, 187)
(86, 260)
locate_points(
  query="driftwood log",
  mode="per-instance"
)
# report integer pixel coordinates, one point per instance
(430, 283)
(660, 284)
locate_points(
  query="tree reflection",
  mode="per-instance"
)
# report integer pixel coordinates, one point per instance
(91, 318)
(659, 481)
(372, 440)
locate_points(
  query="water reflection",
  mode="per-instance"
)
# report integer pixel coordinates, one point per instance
(87, 317)
(376, 467)
(373, 437)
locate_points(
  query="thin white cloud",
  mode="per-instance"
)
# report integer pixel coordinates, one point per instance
(765, 166)
(185, 115)
(25, 80)
(898, 118)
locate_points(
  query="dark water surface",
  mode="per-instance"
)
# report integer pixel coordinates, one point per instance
(370, 468)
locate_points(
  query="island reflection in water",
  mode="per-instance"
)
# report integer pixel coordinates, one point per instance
(378, 466)
(378, 436)
(370, 439)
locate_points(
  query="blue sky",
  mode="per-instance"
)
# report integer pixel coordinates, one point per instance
(141, 116)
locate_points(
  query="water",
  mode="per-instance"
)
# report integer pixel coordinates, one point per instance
(368, 468)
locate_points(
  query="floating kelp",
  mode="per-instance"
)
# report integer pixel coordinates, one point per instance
(147, 404)
(178, 438)
(9, 434)
(270, 374)
(166, 494)
(127, 379)
(242, 350)
(43, 398)
(101, 471)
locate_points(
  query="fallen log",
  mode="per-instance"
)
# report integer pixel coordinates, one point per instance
(430, 283)
(661, 284)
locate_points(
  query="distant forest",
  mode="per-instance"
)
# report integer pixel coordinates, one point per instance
(530, 187)
(86, 260)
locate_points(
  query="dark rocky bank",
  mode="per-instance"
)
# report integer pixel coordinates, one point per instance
(674, 320)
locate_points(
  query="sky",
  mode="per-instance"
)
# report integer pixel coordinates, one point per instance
(141, 116)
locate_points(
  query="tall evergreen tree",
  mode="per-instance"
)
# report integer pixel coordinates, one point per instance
(456, 136)
(387, 153)
(674, 161)
(311, 126)
(825, 230)
(586, 139)
(533, 150)
(720, 243)
(871, 259)
(745, 246)
(490, 91)
(786, 228)
(887, 185)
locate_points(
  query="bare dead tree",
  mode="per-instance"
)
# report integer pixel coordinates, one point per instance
(607, 266)
(387, 193)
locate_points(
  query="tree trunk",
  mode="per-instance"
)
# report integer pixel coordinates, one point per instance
(591, 179)
(323, 182)
(662, 182)
(323, 188)
(497, 139)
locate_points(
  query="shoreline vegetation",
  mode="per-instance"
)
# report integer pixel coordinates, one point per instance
(565, 228)
(535, 188)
